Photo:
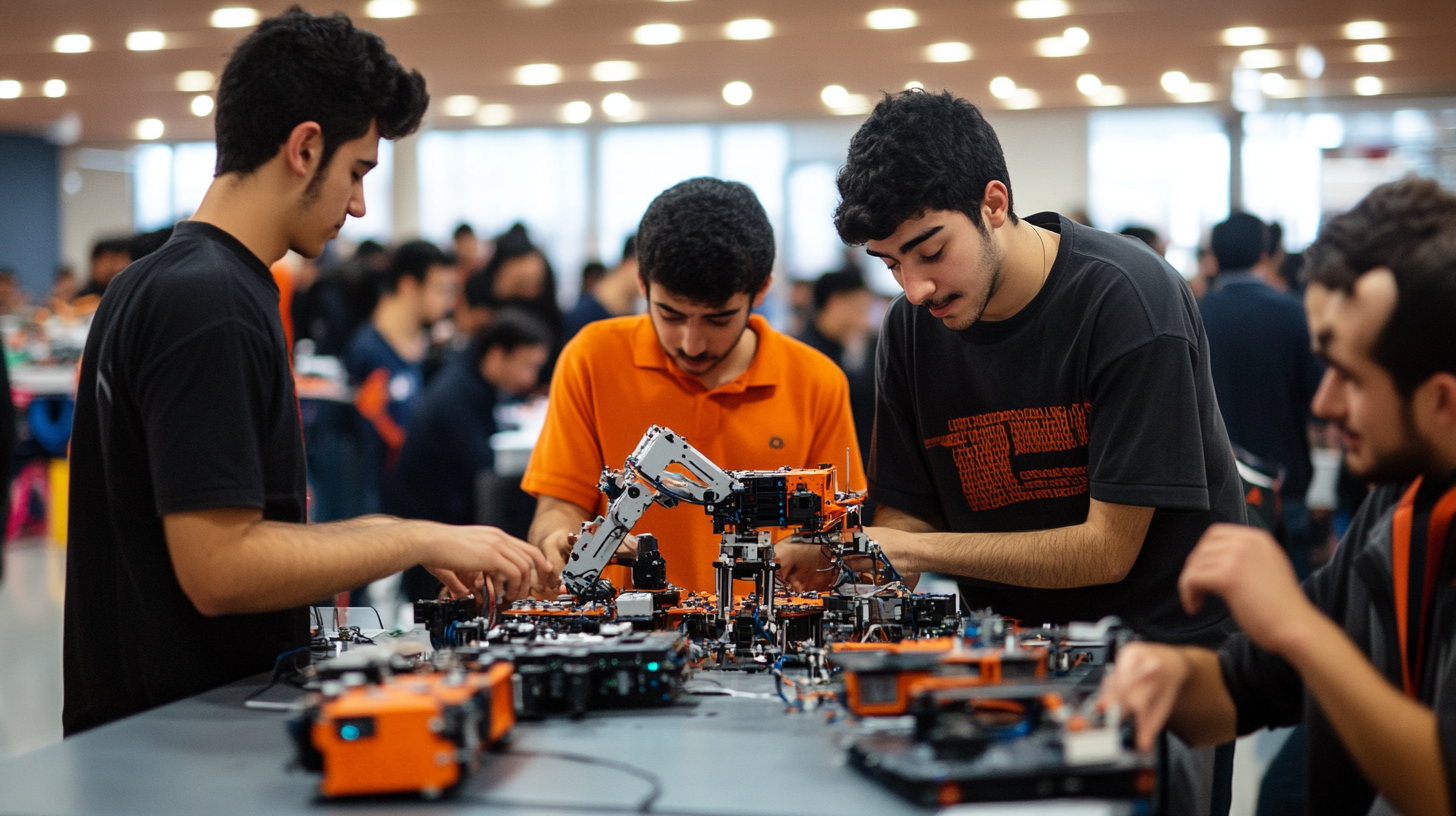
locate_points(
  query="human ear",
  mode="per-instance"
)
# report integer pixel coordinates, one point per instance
(304, 149)
(995, 204)
(762, 292)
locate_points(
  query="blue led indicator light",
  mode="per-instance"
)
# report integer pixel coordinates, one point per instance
(652, 667)
(349, 732)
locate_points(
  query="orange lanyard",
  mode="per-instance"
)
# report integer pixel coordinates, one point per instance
(1441, 516)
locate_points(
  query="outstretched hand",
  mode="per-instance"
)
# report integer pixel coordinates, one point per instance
(463, 557)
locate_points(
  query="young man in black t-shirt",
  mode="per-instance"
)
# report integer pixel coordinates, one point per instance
(189, 565)
(1045, 429)
(1362, 656)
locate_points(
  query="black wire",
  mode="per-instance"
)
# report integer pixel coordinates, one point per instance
(643, 806)
(273, 681)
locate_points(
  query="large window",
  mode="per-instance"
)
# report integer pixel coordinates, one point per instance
(491, 179)
(1165, 169)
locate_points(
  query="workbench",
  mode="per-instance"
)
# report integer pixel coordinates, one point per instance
(713, 754)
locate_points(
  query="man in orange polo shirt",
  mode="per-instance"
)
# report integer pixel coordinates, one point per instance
(699, 362)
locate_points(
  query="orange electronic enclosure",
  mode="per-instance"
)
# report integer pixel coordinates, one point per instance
(881, 679)
(411, 733)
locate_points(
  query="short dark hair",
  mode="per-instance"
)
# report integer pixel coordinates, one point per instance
(412, 259)
(1408, 227)
(509, 329)
(1239, 242)
(300, 67)
(1147, 235)
(917, 152)
(1274, 239)
(706, 240)
(108, 246)
(838, 282)
(463, 230)
(629, 248)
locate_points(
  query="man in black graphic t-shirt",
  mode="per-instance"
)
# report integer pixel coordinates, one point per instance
(188, 565)
(1046, 429)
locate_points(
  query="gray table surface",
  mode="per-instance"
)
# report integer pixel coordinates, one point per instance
(210, 755)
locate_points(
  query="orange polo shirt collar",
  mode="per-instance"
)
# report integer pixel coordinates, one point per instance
(766, 370)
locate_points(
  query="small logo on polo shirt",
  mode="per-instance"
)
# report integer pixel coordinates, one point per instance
(776, 443)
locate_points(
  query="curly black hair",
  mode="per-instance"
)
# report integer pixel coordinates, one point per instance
(706, 240)
(917, 152)
(300, 67)
(1408, 227)
(413, 259)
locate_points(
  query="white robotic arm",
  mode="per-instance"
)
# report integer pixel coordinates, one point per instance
(646, 478)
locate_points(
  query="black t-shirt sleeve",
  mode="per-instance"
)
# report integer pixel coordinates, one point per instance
(1145, 433)
(899, 475)
(1266, 690)
(203, 403)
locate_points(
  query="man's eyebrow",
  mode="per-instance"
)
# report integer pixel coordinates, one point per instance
(910, 244)
(369, 164)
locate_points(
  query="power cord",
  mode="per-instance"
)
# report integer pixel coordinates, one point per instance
(644, 805)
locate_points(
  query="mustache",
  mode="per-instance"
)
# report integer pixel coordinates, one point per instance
(936, 303)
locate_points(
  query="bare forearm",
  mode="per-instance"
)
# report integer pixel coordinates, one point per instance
(554, 516)
(1204, 713)
(1391, 737)
(1099, 551)
(274, 565)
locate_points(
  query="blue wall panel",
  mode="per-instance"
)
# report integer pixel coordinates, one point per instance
(30, 210)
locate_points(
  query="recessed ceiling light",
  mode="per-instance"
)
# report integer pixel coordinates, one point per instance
(914, 85)
(149, 129)
(1369, 86)
(1109, 95)
(1364, 30)
(461, 105)
(753, 28)
(202, 105)
(616, 104)
(1272, 83)
(1241, 36)
(1089, 84)
(834, 96)
(1175, 82)
(1372, 52)
(1056, 47)
(146, 41)
(1261, 59)
(737, 93)
(1041, 9)
(540, 73)
(1003, 87)
(576, 112)
(389, 9)
(54, 88)
(533, 4)
(73, 44)
(948, 52)
(496, 114)
(614, 71)
(195, 81)
(887, 19)
(657, 34)
(1077, 36)
(234, 17)
(9, 89)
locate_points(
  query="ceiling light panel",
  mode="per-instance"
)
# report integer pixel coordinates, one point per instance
(195, 81)
(737, 93)
(1261, 59)
(495, 114)
(54, 88)
(202, 105)
(390, 9)
(234, 17)
(1089, 84)
(1243, 36)
(576, 112)
(146, 41)
(1175, 82)
(657, 34)
(1041, 9)
(1369, 86)
(540, 73)
(9, 89)
(753, 28)
(1003, 87)
(72, 44)
(461, 105)
(948, 52)
(149, 129)
(1373, 52)
(834, 96)
(888, 19)
(615, 71)
(1365, 30)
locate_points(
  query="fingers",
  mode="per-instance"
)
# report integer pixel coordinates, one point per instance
(452, 582)
(1145, 683)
